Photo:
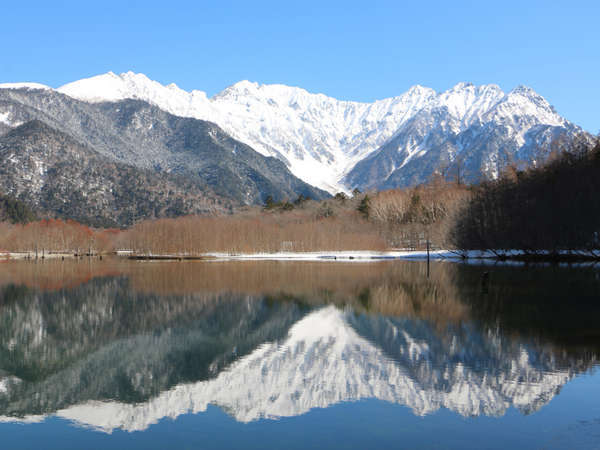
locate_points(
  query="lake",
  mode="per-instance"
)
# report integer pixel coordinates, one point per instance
(268, 354)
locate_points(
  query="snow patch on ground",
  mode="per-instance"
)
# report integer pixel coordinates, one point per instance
(351, 255)
(4, 118)
(5, 383)
(419, 255)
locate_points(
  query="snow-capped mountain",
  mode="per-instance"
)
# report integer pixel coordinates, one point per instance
(24, 86)
(336, 145)
(132, 133)
(320, 138)
(326, 359)
(469, 131)
(45, 168)
(339, 145)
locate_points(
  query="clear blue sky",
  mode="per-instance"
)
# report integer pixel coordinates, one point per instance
(361, 50)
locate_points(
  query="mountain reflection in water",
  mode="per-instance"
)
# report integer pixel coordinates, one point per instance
(120, 345)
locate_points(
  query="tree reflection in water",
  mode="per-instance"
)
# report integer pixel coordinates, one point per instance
(272, 339)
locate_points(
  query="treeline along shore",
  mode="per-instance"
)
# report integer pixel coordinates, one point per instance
(546, 212)
(364, 221)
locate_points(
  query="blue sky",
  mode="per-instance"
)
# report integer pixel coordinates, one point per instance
(350, 50)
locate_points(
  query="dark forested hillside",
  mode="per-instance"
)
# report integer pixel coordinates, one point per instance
(15, 211)
(58, 176)
(138, 134)
(555, 207)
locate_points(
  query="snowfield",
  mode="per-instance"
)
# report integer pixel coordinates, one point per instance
(322, 139)
(338, 145)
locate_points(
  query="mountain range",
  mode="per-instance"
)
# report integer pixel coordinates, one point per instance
(56, 153)
(251, 141)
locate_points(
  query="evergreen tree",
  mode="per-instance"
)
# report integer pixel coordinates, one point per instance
(364, 207)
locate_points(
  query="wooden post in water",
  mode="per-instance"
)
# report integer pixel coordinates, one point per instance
(485, 281)
(427, 258)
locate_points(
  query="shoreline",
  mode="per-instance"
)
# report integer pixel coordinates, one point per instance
(514, 256)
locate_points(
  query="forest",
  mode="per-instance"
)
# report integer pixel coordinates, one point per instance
(550, 209)
(365, 221)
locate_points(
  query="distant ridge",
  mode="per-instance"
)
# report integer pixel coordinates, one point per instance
(341, 145)
(56, 175)
(113, 164)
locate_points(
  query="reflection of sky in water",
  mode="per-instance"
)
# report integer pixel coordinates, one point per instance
(440, 369)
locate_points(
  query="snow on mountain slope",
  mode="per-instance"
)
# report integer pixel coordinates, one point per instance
(324, 140)
(5, 118)
(481, 129)
(324, 361)
(320, 138)
(338, 145)
(23, 86)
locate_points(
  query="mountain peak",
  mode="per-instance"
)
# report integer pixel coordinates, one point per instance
(243, 87)
(136, 77)
(419, 90)
(461, 86)
(246, 84)
(105, 87)
(278, 91)
(522, 89)
(114, 87)
(529, 94)
(529, 102)
(24, 86)
(321, 139)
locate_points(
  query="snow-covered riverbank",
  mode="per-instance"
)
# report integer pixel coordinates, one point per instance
(362, 255)
(515, 256)
(32, 255)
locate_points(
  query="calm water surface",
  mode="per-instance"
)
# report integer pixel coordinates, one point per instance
(119, 354)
